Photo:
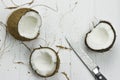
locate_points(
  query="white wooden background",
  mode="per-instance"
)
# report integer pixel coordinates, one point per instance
(60, 17)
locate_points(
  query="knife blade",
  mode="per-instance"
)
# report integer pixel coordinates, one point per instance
(87, 61)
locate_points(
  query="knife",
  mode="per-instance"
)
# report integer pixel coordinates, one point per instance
(88, 62)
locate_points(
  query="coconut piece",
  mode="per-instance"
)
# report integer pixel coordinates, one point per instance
(44, 61)
(101, 38)
(24, 24)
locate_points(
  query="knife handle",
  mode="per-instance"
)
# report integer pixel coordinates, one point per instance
(99, 76)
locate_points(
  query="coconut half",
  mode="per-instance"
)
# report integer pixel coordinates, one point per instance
(24, 24)
(101, 38)
(44, 61)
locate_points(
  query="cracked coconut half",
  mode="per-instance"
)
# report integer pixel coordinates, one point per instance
(24, 24)
(44, 61)
(101, 38)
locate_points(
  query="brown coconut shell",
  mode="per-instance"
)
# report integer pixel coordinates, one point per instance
(104, 49)
(13, 20)
(57, 63)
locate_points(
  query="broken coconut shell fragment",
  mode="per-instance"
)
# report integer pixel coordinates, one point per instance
(24, 24)
(101, 38)
(44, 61)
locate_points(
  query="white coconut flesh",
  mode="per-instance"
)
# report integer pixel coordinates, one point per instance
(43, 61)
(101, 37)
(29, 24)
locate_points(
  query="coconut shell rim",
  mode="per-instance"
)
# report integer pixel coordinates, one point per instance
(57, 65)
(19, 37)
(104, 49)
